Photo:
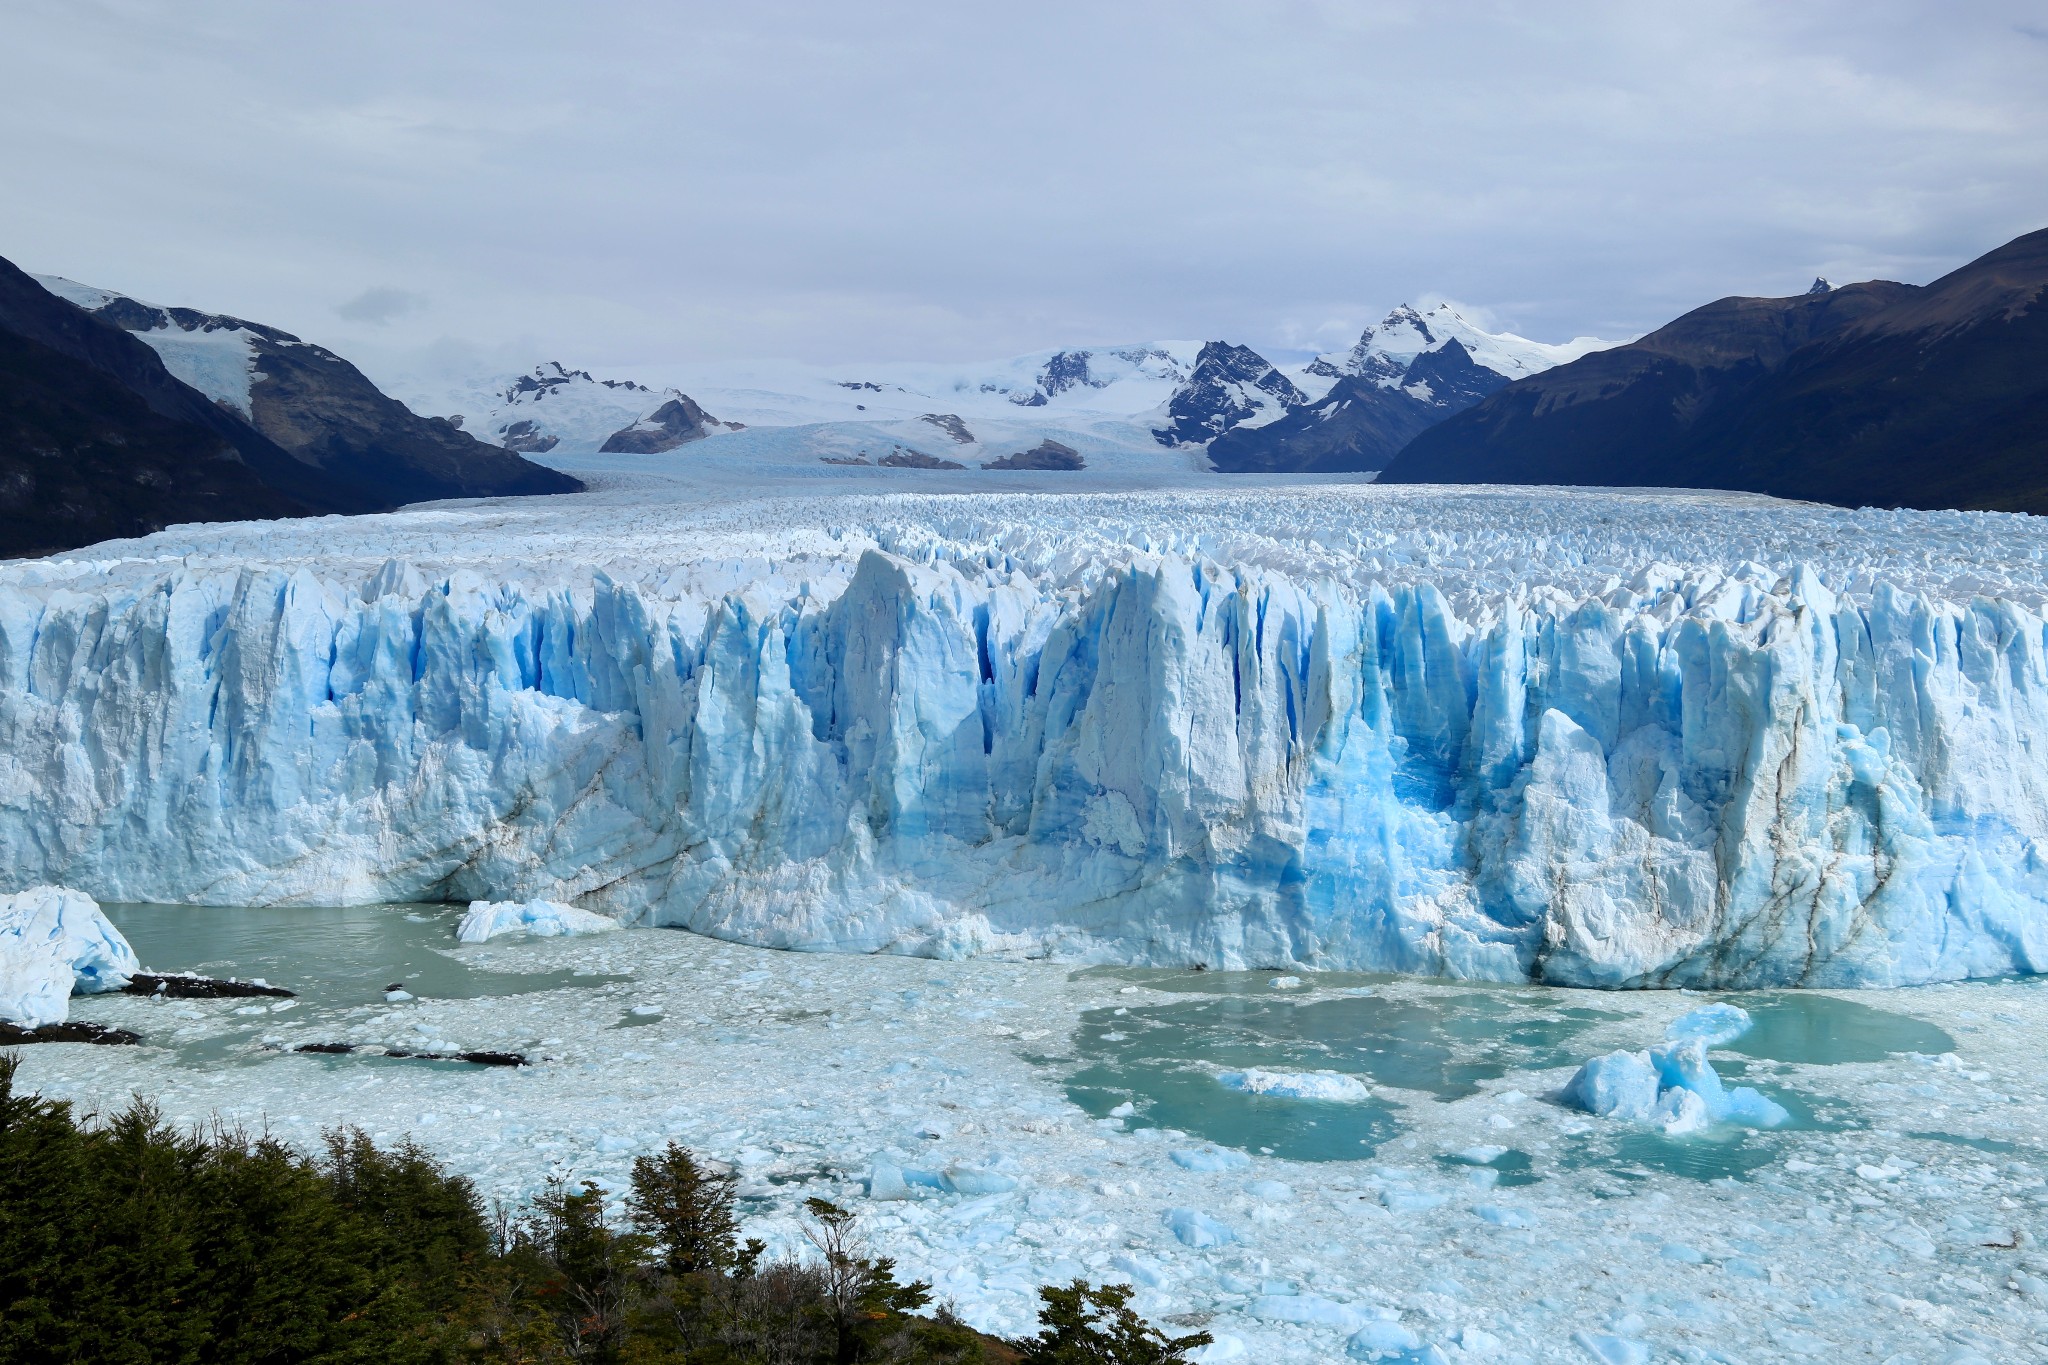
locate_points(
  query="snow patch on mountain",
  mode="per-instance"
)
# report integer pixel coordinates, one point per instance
(213, 354)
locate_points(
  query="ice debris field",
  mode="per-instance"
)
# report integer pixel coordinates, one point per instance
(1229, 755)
(1409, 1177)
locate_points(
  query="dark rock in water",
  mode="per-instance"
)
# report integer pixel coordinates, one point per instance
(845, 459)
(1047, 454)
(676, 422)
(905, 458)
(951, 425)
(71, 1031)
(187, 986)
(473, 1058)
(524, 437)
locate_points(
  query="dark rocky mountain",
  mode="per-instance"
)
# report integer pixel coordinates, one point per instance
(1229, 386)
(98, 440)
(523, 437)
(904, 457)
(1047, 454)
(1361, 423)
(326, 414)
(1869, 394)
(951, 424)
(676, 422)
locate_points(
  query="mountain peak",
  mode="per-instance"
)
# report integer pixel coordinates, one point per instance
(1821, 285)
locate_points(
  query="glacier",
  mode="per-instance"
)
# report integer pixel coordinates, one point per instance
(1599, 739)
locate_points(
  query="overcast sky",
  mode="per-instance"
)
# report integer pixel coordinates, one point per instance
(623, 185)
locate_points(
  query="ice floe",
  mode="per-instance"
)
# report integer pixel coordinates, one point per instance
(55, 942)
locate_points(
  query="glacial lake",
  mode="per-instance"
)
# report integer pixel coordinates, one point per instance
(1154, 1065)
(1445, 1181)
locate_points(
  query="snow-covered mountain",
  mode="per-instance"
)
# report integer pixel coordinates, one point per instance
(1144, 398)
(1384, 353)
(1357, 409)
(1230, 386)
(552, 406)
(312, 408)
(210, 352)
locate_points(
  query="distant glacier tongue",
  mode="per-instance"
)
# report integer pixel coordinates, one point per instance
(1724, 778)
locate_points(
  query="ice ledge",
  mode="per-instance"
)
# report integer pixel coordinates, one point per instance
(1682, 782)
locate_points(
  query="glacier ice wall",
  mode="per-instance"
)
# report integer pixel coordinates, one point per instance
(1689, 779)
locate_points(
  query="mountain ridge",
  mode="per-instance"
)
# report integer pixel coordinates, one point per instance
(1877, 393)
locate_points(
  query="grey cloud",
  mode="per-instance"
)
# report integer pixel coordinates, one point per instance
(379, 306)
(680, 179)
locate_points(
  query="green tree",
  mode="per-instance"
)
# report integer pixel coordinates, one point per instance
(687, 1211)
(1080, 1325)
(594, 1282)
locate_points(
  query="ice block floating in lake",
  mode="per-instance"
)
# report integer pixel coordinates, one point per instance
(1579, 738)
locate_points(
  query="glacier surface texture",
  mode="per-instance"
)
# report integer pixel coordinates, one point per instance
(1597, 739)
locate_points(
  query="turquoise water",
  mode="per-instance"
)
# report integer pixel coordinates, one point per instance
(1820, 1030)
(1164, 1059)
(332, 958)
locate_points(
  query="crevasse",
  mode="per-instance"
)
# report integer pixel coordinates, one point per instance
(1167, 762)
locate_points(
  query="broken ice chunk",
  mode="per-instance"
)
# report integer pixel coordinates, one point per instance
(973, 1180)
(1332, 1087)
(1612, 1350)
(55, 943)
(541, 919)
(1310, 1310)
(1620, 1085)
(1378, 1340)
(1501, 1216)
(1684, 1064)
(1209, 1159)
(1715, 1025)
(1679, 1111)
(1194, 1228)
(1142, 1269)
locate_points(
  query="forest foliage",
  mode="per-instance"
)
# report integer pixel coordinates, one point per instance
(128, 1242)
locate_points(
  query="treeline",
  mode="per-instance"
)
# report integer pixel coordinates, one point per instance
(132, 1243)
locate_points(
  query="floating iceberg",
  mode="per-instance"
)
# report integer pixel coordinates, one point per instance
(1209, 1159)
(1716, 1025)
(54, 943)
(1671, 1086)
(1332, 1087)
(1569, 737)
(540, 919)
(1194, 1228)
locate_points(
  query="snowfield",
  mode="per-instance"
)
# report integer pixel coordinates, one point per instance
(1604, 739)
